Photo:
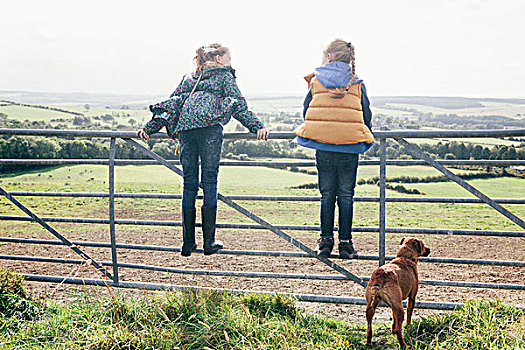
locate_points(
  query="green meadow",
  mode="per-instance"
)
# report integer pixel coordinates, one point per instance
(47, 115)
(262, 181)
(192, 320)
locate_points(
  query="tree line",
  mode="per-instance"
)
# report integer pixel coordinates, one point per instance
(454, 150)
(17, 147)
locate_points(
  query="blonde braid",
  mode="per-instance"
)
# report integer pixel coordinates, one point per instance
(352, 62)
(342, 51)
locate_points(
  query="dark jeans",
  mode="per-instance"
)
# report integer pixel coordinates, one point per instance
(337, 174)
(203, 143)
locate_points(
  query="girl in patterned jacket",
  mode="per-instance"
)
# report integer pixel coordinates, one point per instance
(204, 101)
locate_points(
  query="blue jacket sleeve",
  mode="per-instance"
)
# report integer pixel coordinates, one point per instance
(365, 104)
(306, 102)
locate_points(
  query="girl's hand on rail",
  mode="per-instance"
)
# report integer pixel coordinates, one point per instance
(262, 134)
(142, 134)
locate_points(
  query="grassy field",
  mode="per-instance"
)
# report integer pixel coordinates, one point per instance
(212, 320)
(216, 321)
(46, 115)
(32, 114)
(89, 321)
(262, 181)
(483, 141)
(489, 108)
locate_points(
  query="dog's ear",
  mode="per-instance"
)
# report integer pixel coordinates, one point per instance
(402, 240)
(418, 246)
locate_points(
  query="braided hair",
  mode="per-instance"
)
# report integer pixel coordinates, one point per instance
(342, 51)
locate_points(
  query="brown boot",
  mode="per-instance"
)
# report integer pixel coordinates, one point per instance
(347, 250)
(325, 246)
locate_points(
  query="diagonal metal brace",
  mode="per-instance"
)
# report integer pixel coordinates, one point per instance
(415, 150)
(55, 233)
(255, 218)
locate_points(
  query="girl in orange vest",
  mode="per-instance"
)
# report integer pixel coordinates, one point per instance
(337, 124)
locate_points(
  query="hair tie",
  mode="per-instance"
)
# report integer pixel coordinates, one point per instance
(349, 45)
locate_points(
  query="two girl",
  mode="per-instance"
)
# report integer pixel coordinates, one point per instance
(337, 124)
(204, 101)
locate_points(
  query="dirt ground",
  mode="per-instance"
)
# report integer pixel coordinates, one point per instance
(441, 246)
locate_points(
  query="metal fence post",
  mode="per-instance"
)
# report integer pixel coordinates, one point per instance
(382, 200)
(112, 209)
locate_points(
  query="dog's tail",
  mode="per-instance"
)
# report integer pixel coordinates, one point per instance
(376, 290)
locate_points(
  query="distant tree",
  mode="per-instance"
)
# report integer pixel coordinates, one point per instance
(42, 147)
(78, 121)
(477, 152)
(87, 107)
(510, 153)
(132, 122)
(163, 149)
(485, 154)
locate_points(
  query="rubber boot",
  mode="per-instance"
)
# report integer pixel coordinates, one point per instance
(209, 217)
(188, 232)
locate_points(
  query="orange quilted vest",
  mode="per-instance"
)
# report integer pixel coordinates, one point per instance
(334, 121)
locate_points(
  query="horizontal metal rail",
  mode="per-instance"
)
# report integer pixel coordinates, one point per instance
(35, 218)
(417, 151)
(380, 135)
(456, 200)
(429, 231)
(262, 252)
(251, 274)
(271, 164)
(273, 135)
(299, 297)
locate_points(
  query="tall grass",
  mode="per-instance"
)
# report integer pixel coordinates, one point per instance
(479, 324)
(15, 301)
(185, 320)
(213, 320)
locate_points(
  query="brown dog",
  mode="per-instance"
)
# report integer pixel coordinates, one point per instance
(394, 282)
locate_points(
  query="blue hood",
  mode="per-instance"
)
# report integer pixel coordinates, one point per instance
(335, 74)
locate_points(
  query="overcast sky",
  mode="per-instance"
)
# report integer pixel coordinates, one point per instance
(465, 48)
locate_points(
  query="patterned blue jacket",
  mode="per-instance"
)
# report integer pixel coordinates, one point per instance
(215, 100)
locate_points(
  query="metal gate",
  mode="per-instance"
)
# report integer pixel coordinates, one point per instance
(112, 277)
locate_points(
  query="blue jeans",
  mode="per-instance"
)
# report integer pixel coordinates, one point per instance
(337, 174)
(206, 144)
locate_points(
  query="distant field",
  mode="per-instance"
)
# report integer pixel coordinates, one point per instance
(293, 105)
(32, 114)
(489, 108)
(483, 141)
(263, 181)
(46, 115)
